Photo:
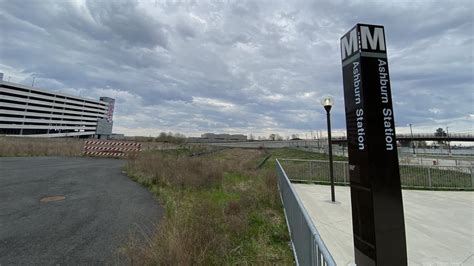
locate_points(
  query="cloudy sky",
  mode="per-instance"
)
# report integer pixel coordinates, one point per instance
(239, 66)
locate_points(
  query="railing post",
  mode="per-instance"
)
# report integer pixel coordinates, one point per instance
(310, 170)
(344, 169)
(472, 176)
(429, 177)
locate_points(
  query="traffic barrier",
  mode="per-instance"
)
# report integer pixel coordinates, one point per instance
(107, 148)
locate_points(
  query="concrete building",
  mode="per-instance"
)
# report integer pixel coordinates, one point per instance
(223, 137)
(33, 112)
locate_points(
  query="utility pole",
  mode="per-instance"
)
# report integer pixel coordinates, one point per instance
(447, 140)
(317, 134)
(412, 142)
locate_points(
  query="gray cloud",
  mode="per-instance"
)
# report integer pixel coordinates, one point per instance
(238, 66)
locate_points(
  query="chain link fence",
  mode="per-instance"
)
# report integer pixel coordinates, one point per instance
(411, 176)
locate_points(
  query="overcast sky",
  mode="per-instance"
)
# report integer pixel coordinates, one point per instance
(239, 67)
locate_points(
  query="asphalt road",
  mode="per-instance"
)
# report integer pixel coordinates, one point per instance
(101, 209)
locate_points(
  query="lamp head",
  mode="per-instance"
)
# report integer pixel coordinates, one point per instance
(327, 101)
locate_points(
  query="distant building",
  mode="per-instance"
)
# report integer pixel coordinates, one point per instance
(33, 112)
(117, 136)
(223, 137)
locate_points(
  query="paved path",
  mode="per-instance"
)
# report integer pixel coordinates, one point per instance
(439, 224)
(101, 208)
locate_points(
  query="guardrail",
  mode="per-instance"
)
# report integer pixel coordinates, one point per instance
(412, 176)
(421, 136)
(450, 136)
(308, 247)
(107, 148)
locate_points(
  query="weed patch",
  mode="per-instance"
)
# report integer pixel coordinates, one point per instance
(11, 146)
(219, 210)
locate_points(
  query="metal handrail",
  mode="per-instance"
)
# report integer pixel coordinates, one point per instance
(308, 246)
(411, 175)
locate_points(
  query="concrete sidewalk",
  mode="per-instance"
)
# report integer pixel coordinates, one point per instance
(439, 224)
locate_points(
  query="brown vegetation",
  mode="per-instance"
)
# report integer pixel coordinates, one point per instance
(219, 210)
(153, 146)
(10, 146)
(22, 146)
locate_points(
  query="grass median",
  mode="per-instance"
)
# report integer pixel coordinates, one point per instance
(219, 209)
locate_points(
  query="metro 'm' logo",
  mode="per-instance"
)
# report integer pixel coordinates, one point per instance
(353, 41)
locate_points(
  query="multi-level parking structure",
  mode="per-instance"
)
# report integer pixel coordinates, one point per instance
(30, 111)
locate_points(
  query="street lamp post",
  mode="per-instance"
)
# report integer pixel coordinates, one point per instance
(327, 102)
(447, 140)
(412, 142)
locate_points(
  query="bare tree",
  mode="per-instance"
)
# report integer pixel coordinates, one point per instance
(251, 137)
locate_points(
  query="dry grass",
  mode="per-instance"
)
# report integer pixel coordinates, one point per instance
(10, 146)
(153, 146)
(219, 210)
(177, 171)
(21, 146)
